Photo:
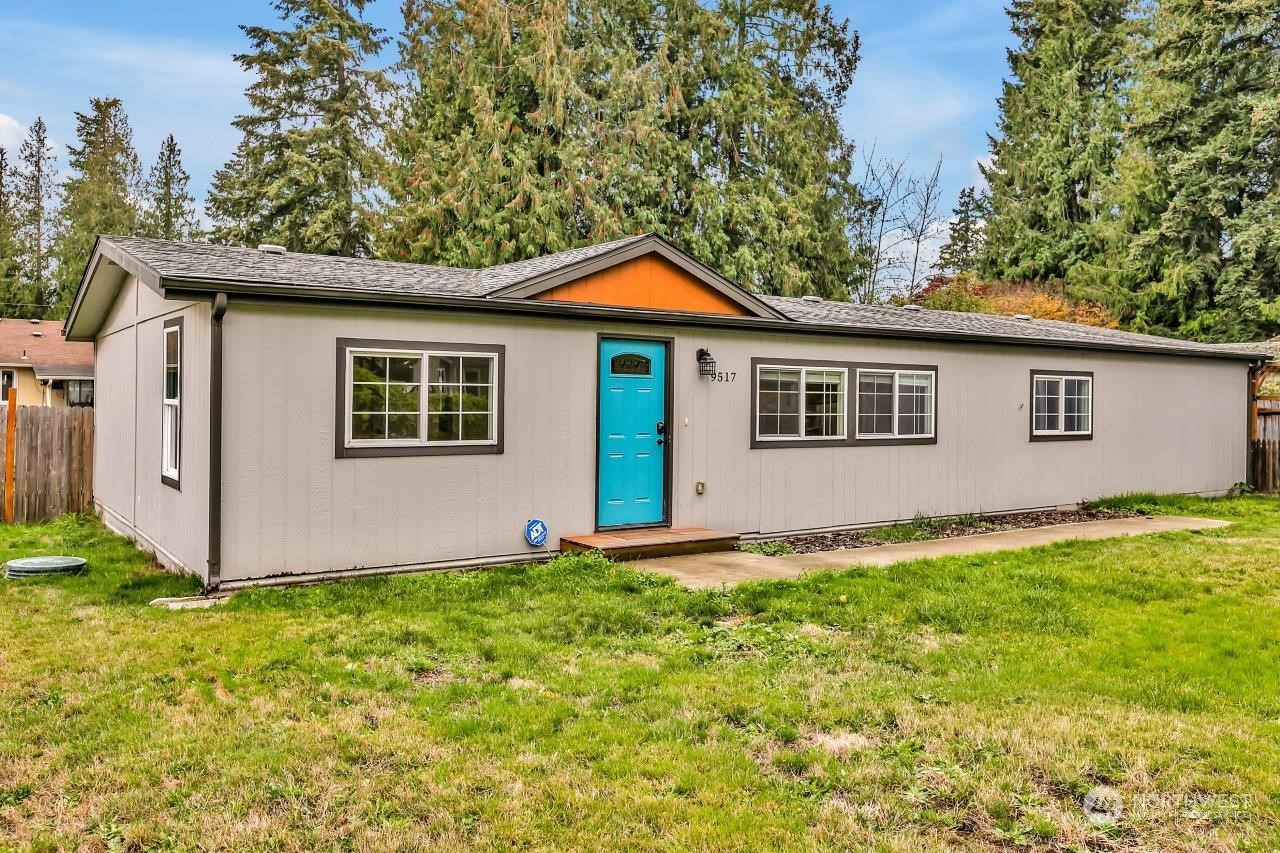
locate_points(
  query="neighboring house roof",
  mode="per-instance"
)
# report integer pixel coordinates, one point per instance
(39, 344)
(193, 269)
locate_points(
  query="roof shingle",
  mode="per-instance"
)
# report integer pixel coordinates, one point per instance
(209, 263)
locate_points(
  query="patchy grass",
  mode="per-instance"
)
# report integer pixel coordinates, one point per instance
(966, 702)
(771, 548)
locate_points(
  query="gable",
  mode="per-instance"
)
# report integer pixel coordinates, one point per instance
(649, 281)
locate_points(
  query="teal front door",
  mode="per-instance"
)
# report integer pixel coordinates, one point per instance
(634, 440)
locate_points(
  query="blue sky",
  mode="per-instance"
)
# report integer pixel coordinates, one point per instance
(927, 84)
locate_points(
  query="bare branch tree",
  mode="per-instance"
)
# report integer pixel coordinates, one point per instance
(885, 186)
(921, 225)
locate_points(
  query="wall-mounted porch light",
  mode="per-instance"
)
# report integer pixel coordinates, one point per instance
(706, 363)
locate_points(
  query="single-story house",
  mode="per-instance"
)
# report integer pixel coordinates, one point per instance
(267, 414)
(45, 368)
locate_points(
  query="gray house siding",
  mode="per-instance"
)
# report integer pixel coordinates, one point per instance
(172, 523)
(1162, 423)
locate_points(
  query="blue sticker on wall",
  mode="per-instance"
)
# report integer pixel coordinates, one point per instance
(535, 532)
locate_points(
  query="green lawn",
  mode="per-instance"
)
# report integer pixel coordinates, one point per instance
(959, 702)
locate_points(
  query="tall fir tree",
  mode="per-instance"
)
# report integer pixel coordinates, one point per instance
(768, 191)
(12, 297)
(1199, 182)
(530, 128)
(36, 205)
(966, 240)
(1058, 135)
(170, 212)
(523, 130)
(101, 195)
(303, 173)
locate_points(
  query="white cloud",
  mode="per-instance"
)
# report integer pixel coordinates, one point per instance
(11, 133)
(174, 84)
(161, 65)
(912, 108)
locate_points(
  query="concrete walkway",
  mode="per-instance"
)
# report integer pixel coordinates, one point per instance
(697, 571)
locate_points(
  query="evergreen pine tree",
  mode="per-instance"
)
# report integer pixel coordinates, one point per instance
(769, 192)
(524, 129)
(101, 195)
(35, 202)
(170, 212)
(531, 128)
(1199, 187)
(302, 173)
(11, 290)
(1059, 131)
(964, 247)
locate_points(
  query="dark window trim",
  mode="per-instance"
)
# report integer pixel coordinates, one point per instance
(851, 404)
(341, 451)
(1070, 436)
(173, 323)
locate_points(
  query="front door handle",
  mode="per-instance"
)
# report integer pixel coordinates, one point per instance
(661, 440)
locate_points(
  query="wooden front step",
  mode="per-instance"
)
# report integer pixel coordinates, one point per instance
(651, 542)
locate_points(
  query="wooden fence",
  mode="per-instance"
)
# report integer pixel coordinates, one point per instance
(52, 469)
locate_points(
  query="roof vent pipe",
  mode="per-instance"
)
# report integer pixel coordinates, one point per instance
(809, 297)
(1022, 317)
(271, 248)
(34, 322)
(911, 307)
(37, 334)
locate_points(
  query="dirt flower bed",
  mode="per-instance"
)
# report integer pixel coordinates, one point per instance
(944, 528)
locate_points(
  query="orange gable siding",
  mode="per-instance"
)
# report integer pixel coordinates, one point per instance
(650, 281)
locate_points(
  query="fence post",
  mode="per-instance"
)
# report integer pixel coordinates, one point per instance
(11, 449)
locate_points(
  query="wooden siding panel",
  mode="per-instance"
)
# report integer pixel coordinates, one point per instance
(650, 281)
(127, 435)
(1162, 424)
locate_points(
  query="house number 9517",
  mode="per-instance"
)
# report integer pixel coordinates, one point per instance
(724, 377)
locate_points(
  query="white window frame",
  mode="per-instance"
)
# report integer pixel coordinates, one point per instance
(171, 409)
(804, 370)
(897, 373)
(1061, 379)
(425, 355)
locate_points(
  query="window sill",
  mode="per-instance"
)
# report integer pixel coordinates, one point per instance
(171, 482)
(366, 451)
(1066, 436)
(887, 441)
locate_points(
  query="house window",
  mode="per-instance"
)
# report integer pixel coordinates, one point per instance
(8, 379)
(171, 439)
(800, 402)
(431, 398)
(1062, 405)
(895, 404)
(80, 392)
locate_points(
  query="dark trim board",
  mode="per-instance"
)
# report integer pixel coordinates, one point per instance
(215, 441)
(341, 451)
(174, 323)
(1031, 406)
(197, 289)
(667, 414)
(851, 394)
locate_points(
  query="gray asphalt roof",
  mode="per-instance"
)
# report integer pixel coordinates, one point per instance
(229, 263)
(202, 261)
(926, 321)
